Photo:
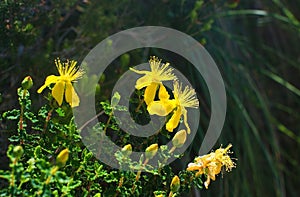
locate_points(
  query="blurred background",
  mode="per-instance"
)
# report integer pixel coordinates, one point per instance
(256, 46)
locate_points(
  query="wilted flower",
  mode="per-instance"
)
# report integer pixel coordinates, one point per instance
(211, 164)
(63, 84)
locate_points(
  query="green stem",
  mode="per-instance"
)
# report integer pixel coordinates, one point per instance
(139, 106)
(138, 175)
(166, 159)
(47, 120)
(170, 194)
(91, 120)
(12, 178)
(119, 186)
(22, 111)
(108, 121)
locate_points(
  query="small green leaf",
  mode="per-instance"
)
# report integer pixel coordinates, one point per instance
(60, 112)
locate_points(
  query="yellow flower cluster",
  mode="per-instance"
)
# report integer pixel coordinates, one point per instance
(211, 164)
(183, 98)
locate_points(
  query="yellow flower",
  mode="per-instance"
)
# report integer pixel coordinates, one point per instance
(152, 79)
(211, 164)
(63, 84)
(182, 98)
(164, 106)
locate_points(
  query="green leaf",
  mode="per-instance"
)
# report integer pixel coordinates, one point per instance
(60, 112)
(12, 115)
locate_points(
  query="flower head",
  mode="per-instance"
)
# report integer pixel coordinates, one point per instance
(211, 164)
(152, 79)
(63, 84)
(183, 98)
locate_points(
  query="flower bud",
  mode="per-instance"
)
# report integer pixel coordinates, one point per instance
(125, 59)
(27, 83)
(18, 152)
(127, 150)
(115, 99)
(175, 184)
(62, 157)
(151, 151)
(179, 138)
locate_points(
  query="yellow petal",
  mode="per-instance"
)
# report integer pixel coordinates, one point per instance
(207, 182)
(193, 168)
(174, 120)
(71, 96)
(157, 107)
(58, 92)
(143, 82)
(218, 168)
(169, 105)
(163, 93)
(160, 108)
(150, 93)
(49, 80)
(184, 112)
(139, 71)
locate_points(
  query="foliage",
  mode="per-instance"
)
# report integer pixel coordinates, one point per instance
(51, 160)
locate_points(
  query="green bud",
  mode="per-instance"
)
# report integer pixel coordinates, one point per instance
(194, 16)
(115, 99)
(151, 151)
(125, 59)
(199, 4)
(179, 138)
(18, 152)
(98, 89)
(109, 43)
(27, 83)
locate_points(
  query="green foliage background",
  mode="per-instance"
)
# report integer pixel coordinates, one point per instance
(255, 45)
